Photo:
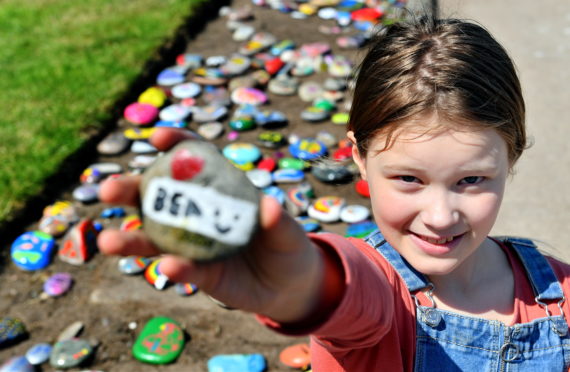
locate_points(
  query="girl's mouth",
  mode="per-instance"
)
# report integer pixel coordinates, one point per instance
(437, 246)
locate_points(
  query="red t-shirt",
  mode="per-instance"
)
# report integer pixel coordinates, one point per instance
(374, 326)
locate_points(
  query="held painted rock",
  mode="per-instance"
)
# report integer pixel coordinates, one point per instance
(198, 205)
(161, 341)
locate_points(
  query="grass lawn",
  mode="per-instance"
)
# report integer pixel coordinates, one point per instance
(63, 64)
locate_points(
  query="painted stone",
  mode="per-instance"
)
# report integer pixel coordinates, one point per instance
(261, 77)
(327, 138)
(233, 136)
(292, 163)
(186, 90)
(216, 96)
(154, 276)
(340, 118)
(367, 14)
(296, 356)
(354, 213)
(288, 176)
(243, 33)
(314, 114)
(86, 193)
(362, 188)
(186, 289)
(331, 171)
(315, 49)
(79, 244)
(58, 284)
(309, 91)
(113, 212)
(98, 171)
(113, 144)
(246, 110)
(242, 123)
(308, 149)
(237, 363)
(141, 162)
(252, 96)
(267, 164)
(242, 82)
(161, 341)
(304, 66)
(351, 42)
(143, 147)
(242, 152)
(282, 46)
(236, 65)
(153, 96)
(170, 124)
(132, 265)
(361, 229)
(38, 354)
(12, 330)
(307, 9)
(326, 208)
(259, 178)
(271, 140)
(140, 113)
(273, 65)
(340, 67)
(215, 61)
(334, 84)
(276, 193)
(71, 331)
(327, 13)
(62, 208)
(270, 119)
(308, 224)
(342, 153)
(54, 225)
(17, 364)
(139, 133)
(70, 353)
(211, 131)
(174, 112)
(131, 223)
(258, 42)
(182, 216)
(208, 113)
(283, 85)
(189, 60)
(170, 76)
(32, 250)
(296, 202)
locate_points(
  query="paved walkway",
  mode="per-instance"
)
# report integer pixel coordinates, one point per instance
(537, 36)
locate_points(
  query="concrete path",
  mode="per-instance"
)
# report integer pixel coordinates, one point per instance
(537, 36)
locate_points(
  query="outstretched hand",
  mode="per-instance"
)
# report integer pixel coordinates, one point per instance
(279, 275)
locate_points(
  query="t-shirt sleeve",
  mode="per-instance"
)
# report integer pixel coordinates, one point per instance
(366, 311)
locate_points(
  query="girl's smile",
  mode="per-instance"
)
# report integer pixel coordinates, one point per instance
(436, 193)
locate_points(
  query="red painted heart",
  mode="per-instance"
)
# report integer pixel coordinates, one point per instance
(185, 166)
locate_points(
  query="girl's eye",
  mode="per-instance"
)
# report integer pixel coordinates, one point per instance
(408, 179)
(471, 180)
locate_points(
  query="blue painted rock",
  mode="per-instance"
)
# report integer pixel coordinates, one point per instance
(39, 353)
(308, 224)
(237, 363)
(17, 364)
(161, 341)
(360, 229)
(32, 250)
(133, 265)
(197, 204)
(87, 193)
(308, 149)
(186, 90)
(282, 46)
(242, 153)
(58, 284)
(186, 289)
(113, 212)
(79, 244)
(270, 119)
(326, 208)
(170, 76)
(171, 124)
(70, 353)
(288, 176)
(12, 330)
(275, 192)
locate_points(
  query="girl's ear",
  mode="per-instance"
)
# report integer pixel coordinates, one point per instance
(358, 159)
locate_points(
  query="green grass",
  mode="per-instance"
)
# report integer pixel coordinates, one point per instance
(63, 64)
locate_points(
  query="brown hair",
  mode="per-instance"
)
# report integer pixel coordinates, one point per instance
(449, 67)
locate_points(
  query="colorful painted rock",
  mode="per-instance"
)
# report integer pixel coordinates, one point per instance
(98, 171)
(17, 364)
(216, 96)
(307, 149)
(314, 114)
(154, 276)
(267, 164)
(161, 341)
(275, 192)
(79, 244)
(283, 85)
(308, 224)
(340, 118)
(185, 217)
(282, 46)
(12, 330)
(242, 153)
(58, 284)
(296, 356)
(186, 90)
(131, 223)
(153, 96)
(140, 113)
(174, 112)
(297, 202)
(271, 140)
(70, 353)
(288, 176)
(237, 363)
(362, 188)
(252, 96)
(326, 209)
(189, 60)
(242, 123)
(236, 65)
(133, 265)
(32, 250)
(38, 354)
(354, 213)
(361, 229)
(270, 119)
(186, 289)
(292, 163)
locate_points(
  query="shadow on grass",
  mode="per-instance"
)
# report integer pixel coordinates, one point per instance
(73, 166)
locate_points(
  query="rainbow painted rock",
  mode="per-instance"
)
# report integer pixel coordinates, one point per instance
(161, 341)
(32, 250)
(197, 204)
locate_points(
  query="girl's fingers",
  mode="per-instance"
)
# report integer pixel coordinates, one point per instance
(126, 243)
(165, 138)
(204, 275)
(120, 190)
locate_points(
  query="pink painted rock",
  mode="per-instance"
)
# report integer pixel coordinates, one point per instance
(140, 113)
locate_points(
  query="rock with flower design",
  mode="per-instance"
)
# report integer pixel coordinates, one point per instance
(161, 341)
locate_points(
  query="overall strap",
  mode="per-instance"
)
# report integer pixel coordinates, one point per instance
(414, 279)
(542, 277)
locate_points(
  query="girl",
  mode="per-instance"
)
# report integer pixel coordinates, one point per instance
(437, 124)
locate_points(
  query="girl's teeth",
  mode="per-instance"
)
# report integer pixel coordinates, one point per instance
(438, 241)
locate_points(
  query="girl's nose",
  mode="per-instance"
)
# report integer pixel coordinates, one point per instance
(439, 211)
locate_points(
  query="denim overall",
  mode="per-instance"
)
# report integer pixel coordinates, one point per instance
(447, 341)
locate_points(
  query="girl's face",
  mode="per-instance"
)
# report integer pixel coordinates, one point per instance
(435, 197)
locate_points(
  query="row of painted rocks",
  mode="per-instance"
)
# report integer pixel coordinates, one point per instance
(215, 95)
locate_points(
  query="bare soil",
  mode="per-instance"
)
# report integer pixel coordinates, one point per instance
(106, 301)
